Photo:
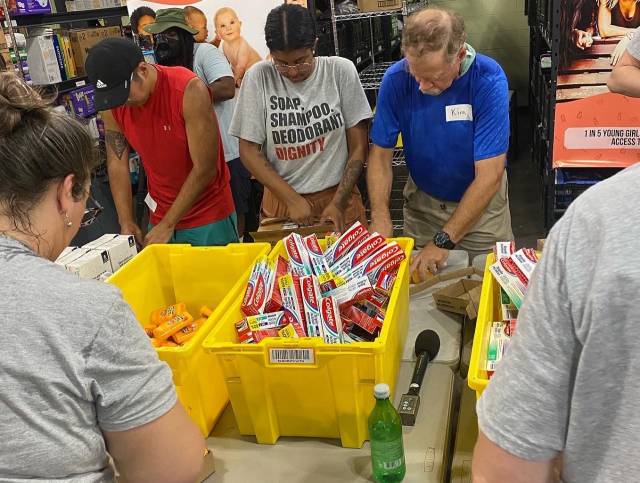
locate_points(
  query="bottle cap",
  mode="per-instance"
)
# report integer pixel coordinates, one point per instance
(381, 391)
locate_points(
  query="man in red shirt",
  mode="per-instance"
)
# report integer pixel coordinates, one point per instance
(165, 114)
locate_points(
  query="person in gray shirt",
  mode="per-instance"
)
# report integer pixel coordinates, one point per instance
(565, 397)
(302, 123)
(78, 376)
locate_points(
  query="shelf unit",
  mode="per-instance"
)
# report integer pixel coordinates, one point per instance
(371, 76)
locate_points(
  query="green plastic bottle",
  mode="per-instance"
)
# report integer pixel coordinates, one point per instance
(385, 437)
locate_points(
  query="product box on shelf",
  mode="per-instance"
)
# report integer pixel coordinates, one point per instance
(379, 5)
(83, 39)
(42, 60)
(79, 102)
(26, 7)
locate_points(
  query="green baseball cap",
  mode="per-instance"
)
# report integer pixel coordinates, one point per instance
(167, 18)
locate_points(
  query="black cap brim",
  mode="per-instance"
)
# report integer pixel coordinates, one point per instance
(104, 100)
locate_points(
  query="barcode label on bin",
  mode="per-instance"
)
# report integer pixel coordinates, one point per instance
(291, 356)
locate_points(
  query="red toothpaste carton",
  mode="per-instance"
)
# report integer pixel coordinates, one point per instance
(299, 263)
(331, 321)
(384, 283)
(512, 268)
(295, 321)
(245, 336)
(347, 242)
(311, 303)
(354, 291)
(247, 306)
(360, 254)
(386, 259)
(362, 320)
(378, 300)
(274, 298)
(292, 299)
(504, 249)
(319, 265)
(260, 335)
(267, 321)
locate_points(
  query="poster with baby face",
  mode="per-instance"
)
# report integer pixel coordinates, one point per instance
(237, 23)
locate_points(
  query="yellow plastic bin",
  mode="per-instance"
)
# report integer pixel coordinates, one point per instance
(328, 396)
(161, 275)
(488, 312)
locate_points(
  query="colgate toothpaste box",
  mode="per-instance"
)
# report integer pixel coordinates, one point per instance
(360, 254)
(245, 336)
(267, 321)
(260, 335)
(504, 249)
(386, 259)
(292, 299)
(299, 263)
(504, 273)
(526, 260)
(354, 291)
(274, 297)
(247, 305)
(356, 316)
(331, 321)
(384, 283)
(319, 265)
(311, 302)
(347, 241)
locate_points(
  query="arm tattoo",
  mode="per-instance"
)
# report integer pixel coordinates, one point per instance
(349, 179)
(117, 142)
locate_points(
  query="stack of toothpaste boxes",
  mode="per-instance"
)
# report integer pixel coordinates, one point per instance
(339, 294)
(512, 270)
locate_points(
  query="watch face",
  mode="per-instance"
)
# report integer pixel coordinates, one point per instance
(442, 240)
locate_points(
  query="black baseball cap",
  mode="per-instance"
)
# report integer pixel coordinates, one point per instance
(109, 66)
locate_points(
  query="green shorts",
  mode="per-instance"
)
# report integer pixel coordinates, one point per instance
(219, 233)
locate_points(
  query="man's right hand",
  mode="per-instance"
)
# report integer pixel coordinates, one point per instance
(381, 223)
(131, 228)
(300, 211)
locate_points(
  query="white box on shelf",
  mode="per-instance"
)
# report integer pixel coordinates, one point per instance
(42, 60)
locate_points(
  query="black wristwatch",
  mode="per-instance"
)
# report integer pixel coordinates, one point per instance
(443, 240)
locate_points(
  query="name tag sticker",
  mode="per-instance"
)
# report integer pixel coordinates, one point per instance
(459, 112)
(151, 203)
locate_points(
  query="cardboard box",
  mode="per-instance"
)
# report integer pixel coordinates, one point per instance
(79, 102)
(83, 39)
(461, 297)
(272, 230)
(94, 264)
(121, 249)
(23, 7)
(379, 5)
(42, 60)
(540, 244)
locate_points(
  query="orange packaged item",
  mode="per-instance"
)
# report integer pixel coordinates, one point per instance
(148, 328)
(167, 329)
(168, 343)
(160, 316)
(205, 311)
(155, 342)
(186, 334)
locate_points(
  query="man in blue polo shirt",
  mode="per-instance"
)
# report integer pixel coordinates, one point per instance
(451, 106)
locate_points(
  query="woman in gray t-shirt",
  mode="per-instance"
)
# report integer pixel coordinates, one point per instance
(78, 376)
(302, 123)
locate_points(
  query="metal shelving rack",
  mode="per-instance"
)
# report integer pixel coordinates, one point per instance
(371, 76)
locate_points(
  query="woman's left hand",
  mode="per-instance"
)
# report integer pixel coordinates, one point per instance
(335, 214)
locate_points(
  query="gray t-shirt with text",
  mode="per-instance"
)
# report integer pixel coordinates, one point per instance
(569, 382)
(302, 126)
(75, 362)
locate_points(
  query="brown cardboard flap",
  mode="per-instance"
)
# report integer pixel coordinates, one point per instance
(444, 277)
(273, 230)
(458, 296)
(540, 244)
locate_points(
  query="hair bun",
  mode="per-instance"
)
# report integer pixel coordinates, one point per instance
(17, 101)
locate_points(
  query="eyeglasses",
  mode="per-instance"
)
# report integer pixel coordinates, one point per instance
(91, 212)
(297, 67)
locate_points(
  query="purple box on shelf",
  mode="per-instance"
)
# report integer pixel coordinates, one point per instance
(81, 101)
(26, 7)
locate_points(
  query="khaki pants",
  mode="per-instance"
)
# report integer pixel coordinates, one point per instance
(425, 215)
(272, 207)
